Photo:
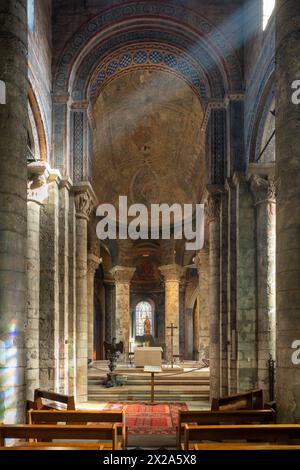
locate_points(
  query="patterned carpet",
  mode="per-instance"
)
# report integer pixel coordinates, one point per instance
(142, 419)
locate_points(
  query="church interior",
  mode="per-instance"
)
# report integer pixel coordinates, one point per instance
(174, 102)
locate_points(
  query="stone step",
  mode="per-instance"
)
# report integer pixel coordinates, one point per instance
(138, 382)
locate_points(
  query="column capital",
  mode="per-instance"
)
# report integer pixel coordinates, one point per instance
(172, 272)
(199, 259)
(66, 182)
(213, 202)
(36, 183)
(239, 178)
(263, 189)
(93, 263)
(85, 200)
(122, 274)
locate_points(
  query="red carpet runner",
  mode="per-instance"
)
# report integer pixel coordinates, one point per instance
(144, 419)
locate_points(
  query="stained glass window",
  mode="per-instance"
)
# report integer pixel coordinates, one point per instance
(143, 309)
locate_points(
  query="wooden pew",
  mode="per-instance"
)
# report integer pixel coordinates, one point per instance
(80, 417)
(262, 433)
(47, 433)
(250, 400)
(55, 401)
(223, 417)
(244, 446)
(56, 447)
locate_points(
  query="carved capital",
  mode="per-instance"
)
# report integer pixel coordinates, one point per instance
(122, 274)
(172, 272)
(201, 260)
(36, 183)
(85, 200)
(93, 263)
(84, 205)
(263, 189)
(212, 207)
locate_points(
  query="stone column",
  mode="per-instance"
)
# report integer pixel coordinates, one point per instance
(202, 263)
(64, 256)
(13, 209)
(37, 192)
(231, 190)
(110, 308)
(123, 276)
(213, 215)
(288, 209)
(172, 275)
(264, 195)
(224, 294)
(72, 297)
(49, 286)
(93, 264)
(84, 200)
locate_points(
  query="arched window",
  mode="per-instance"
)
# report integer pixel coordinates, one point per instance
(268, 7)
(31, 14)
(143, 309)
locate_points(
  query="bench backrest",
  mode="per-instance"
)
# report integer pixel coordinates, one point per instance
(49, 432)
(55, 400)
(73, 417)
(283, 433)
(250, 400)
(224, 417)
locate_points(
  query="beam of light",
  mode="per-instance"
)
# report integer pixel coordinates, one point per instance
(237, 28)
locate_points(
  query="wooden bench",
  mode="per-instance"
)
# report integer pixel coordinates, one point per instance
(223, 417)
(250, 400)
(68, 433)
(244, 446)
(55, 401)
(80, 417)
(262, 433)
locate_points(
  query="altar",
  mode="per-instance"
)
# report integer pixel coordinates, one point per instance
(148, 356)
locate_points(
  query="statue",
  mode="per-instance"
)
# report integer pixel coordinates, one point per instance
(147, 326)
(112, 352)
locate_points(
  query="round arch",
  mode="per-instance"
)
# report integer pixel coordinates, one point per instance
(201, 37)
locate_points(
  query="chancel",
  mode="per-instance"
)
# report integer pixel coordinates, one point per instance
(171, 104)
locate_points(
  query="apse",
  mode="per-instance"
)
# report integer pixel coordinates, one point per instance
(148, 143)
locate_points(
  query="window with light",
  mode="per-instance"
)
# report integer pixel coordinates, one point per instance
(31, 14)
(268, 7)
(143, 309)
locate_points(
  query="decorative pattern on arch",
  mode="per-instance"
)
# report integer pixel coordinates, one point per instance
(179, 17)
(147, 56)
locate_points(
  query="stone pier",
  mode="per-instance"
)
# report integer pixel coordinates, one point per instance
(213, 215)
(122, 276)
(37, 193)
(84, 201)
(263, 189)
(49, 285)
(13, 209)
(202, 263)
(93, 264)
(288, 209)
(172, 274)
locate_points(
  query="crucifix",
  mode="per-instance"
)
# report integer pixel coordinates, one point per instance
(172, 328)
